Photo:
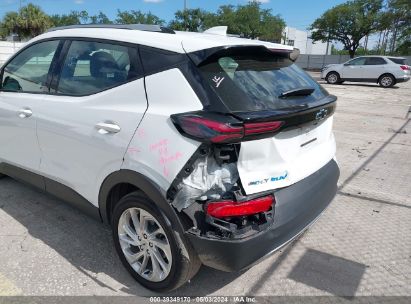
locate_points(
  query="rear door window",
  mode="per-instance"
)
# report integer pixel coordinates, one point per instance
(375, 61)
(91, 67)
(397, 60)
(254, 81)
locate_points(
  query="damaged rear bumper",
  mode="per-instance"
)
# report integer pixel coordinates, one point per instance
(297, 207)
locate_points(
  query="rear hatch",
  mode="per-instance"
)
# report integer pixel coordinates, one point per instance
(259, 85)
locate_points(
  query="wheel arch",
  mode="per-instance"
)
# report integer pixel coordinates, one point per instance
(333, 71)
(389, 74)
(139, 182)
(127, 181)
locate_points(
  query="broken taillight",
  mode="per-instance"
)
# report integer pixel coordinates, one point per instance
(217, 128)
(225, 209)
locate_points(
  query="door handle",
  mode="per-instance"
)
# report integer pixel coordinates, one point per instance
(25, 113)
(107, 127)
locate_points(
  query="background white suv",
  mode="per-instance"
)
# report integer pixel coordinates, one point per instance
(195, 148)
(385, 70)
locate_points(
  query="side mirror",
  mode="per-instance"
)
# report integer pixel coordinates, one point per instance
(346, 64)
(294, 55)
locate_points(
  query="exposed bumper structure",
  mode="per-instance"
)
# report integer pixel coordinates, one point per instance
(297, 206)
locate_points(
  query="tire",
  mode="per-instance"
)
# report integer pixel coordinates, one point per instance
(166, 268)
(333, 78)
(386, 81)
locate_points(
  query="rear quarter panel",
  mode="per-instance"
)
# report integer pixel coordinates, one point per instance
(157, 149)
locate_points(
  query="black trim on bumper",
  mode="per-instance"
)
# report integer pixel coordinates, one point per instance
(297, 206)
(399, 80)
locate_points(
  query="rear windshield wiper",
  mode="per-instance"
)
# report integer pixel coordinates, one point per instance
(297, 92)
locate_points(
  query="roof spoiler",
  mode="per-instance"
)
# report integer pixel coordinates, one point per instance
(203, 56)
(217, 30)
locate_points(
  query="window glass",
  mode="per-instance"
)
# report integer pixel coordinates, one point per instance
(28, 71)
(397, 60)
(255, 80)
(357, 61)
(375, 61)
(91, 67)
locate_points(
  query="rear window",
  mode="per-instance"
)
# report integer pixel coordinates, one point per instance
(397, 60)
(254, 81)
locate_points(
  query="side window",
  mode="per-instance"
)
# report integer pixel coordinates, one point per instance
(375, 61)
(357, 61)
(91, 67)
(28, 71)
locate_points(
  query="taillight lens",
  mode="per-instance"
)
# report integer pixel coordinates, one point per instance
(207, 129)
(221, 129)
(262, 127)
(232, 209)
(405, 67)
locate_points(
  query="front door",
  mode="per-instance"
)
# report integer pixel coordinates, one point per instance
(84, 129)
(23, 88)
(353, 69)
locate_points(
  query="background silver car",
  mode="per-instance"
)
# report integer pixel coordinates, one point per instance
(385, 70)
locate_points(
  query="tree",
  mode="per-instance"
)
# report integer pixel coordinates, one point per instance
(249, 21)
(30, 21)
(192, 20)
(348, 23)
(74, 17)
(254, 22)
(10, 24)
(137, 17)
(101, 18)
(398, 15)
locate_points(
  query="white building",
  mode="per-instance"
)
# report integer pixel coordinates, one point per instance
(301, 40)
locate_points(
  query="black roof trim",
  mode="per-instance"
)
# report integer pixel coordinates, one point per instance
(138, 27)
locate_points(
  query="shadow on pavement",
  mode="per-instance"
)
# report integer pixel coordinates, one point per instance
(85, 243)
(327, 272)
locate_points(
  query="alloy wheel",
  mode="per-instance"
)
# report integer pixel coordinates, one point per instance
(332, 78)
(145, 244)
(386, 81)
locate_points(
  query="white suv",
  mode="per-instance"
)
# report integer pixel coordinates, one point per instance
(384, 70)
(195, 148)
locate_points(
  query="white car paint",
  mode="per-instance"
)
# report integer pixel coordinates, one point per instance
(192, 41)
(286, 158)
(61, 140)
(158, 150)
(73, 150)
(18, 138)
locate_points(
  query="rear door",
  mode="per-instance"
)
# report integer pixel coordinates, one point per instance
(23, 89)
(85, 127)
(353, 69)
(374, 68)
(253, 85)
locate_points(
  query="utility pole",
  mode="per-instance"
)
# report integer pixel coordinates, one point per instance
(185, 15)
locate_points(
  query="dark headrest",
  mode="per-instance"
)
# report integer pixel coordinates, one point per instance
(103, 65)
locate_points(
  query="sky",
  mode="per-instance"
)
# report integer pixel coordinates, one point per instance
(296, 13)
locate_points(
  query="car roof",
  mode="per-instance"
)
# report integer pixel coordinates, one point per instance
(381, 56)
(179, 42)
